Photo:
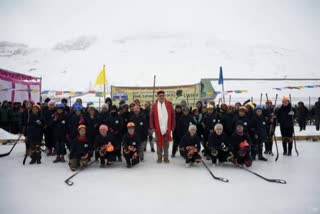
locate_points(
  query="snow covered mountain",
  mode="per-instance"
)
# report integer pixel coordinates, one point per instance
(179, 41)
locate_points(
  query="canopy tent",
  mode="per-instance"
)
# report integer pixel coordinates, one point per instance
(16, 87)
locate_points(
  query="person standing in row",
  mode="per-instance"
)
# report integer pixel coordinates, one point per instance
(162, 121)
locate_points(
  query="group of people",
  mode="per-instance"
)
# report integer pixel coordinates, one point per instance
(221, 133)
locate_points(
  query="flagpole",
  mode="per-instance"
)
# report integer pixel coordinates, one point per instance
(221, 81)
(154, 87)
(104, 86)
(104, 92)
(41, 90)
(224, 101)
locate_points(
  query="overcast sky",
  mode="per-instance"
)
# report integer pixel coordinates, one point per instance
(41, 22)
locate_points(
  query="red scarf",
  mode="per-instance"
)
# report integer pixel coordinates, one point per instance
(157, 123)
(82, 139)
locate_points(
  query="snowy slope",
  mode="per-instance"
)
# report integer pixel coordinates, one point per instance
(160, 188)
(179, 41)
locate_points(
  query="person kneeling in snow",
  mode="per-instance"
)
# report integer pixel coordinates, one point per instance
(104, 146)
(190, 146)
(81, 150)
(218, 145)
(131, 145)
(240, 146)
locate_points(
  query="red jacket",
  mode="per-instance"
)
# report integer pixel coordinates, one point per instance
(154, 121)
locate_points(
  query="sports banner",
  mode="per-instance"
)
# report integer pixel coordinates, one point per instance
(174, 94)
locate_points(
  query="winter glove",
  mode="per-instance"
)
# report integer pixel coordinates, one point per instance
(256, 136)
(224, 147)
(230, 158)
(190, 154)
(188, 148)
(126, 151)
(39, 122)
(291, 113)
(214, 152)
(135, 155)
(103, 150)
(84, 157)
(132, 148)
(195, 150)
(235, 161)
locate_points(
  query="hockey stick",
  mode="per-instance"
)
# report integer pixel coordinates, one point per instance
(294, 134)
(260, 99)
(279, 181)
(213, 176)
(276, 143)
(26, 141)
(274, 133)
(8, 153)
(247, 101)
(68, 180)
(26, 155)
(274, 124)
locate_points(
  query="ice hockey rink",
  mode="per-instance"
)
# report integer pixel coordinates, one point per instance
(161, 188)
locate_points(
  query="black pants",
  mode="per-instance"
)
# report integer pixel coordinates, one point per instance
(317, 123)
(49, 139)
(188, 158)
(60, 147)
(302, 124)
(109, 156)
(130, 160)
(256, 148)
(246, 160)
(176, 142)
(35, 152)
(191, 159)
(15, 128)
(269, 143)
(222, 156)
(287, 145)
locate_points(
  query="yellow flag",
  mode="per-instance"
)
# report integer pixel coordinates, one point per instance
(101, 79)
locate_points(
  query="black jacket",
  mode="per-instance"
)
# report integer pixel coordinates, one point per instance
(236, 139)
(259, 126)
(302, 113)
(283, 117)
(175, 131)
(60, 125)
(141, 126)
(187, 140)
(216, 141)
(131, 140)
(101, 140)
(92, 127)
(35, 128)
(183, 125)
(209, 121)
(246, 122)
(103, 117)
(80, 148)
(116, 126)
(227, 122)
(74, 122)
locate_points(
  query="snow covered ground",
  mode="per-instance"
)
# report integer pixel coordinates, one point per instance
(310, 131)
(161, 188)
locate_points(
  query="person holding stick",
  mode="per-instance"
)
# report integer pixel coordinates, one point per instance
(284, 116)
